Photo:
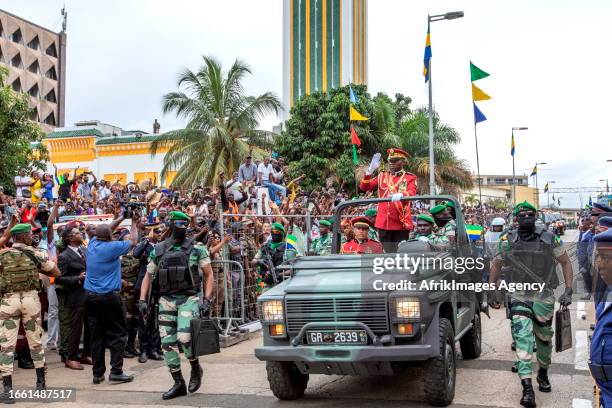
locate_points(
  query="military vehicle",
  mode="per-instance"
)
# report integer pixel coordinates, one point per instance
(327, 317)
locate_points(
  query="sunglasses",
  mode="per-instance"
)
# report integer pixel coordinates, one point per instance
(181, 223)
(157, 231)
(394, 160)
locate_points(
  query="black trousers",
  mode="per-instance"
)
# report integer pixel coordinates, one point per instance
(391, 238)
(148, 332)
(78, 320)
(108, 328)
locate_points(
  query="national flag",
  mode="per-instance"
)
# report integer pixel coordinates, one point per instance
(477, 73)
(546, 188)
(354, 115)
(352, 96)
(474, 231)
(478, 115)
(355, 142)
(590, 202)
(559, 201)
(534, 171)
(478, 94)
(427, 56)
(512, 146)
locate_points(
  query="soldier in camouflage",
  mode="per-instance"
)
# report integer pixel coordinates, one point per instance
(444, 221)
(180, 269)
(129, 275)
(424, 232)
(322, 245)
(20, 266)
(528, 254)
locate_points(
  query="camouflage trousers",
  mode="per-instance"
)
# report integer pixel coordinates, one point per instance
(529, 320)
(175, 314)
(24, 306)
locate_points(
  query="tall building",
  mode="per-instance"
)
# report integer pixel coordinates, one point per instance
(324, 46)
(36, 60)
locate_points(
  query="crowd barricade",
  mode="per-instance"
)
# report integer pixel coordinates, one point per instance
(247, 234)
(228, 290)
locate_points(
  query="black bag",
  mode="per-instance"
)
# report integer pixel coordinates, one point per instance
(563, 329)
(204, 337)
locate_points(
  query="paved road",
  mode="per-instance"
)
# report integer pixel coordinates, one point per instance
(235, 378)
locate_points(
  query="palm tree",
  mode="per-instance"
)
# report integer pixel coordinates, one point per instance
(221, 124)
(451, 173)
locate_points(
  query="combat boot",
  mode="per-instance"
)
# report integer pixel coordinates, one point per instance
(6, 397)
(528, 399)
(178, 389)
(195, 380)
(40, 378)
(542, 379)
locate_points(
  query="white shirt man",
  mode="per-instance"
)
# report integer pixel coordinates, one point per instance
(22, 182)
(264, 170)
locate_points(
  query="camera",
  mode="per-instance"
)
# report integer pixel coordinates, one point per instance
(130, 206)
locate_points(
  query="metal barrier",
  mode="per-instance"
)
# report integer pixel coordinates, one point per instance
(228, 305)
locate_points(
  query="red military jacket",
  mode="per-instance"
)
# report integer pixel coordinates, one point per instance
(369, 246)
(392, 215)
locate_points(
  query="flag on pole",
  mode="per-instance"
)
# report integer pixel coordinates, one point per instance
(512, 146)
(352, 96)
(427, 56)
(475, 72)
(478, 94)
(534, 171)
(590, 201)
(546, 188)
(354, 115)
(355, 142)
(559, 201)
(478, 115)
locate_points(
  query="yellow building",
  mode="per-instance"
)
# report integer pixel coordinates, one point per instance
(499, 187)
(110, 152)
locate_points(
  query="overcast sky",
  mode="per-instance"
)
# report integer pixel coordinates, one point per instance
(548, 59)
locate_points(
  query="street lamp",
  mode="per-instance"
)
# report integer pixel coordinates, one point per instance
(549, 182)
(607, 186)
(513, 174)
(451, 15)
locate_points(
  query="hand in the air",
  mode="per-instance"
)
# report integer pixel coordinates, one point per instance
(396, 197)
(374, 164)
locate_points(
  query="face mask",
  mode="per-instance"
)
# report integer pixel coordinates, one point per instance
(277, 237)
(526, 223)
(440, 222)
(179, 233)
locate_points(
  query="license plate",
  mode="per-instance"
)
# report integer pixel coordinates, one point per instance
(337, 337)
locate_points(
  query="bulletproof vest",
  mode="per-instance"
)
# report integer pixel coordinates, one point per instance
(536, 255)
(175, 275)
(130, 266)
(20, 270)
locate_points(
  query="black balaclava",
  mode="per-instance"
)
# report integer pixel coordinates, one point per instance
(526, 226)
(178, 233)
(276, 237)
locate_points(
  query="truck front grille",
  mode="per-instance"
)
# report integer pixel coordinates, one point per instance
(371, 311)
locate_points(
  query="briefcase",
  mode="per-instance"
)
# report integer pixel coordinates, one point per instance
(204, 337)
(563, 329)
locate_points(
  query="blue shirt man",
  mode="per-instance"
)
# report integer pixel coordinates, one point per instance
(103, 273)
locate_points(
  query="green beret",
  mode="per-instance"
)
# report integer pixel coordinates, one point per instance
(21, 229)
(450, 204)
(325, 223)
(425, 217)
(178, 216)
(523, 206)
(370, 212)
(278, 226)
(437, 209)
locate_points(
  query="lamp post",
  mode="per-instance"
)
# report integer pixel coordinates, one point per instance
(549, 182)
(536, 184)
(513, 173)
(452, 15)
(607, 186)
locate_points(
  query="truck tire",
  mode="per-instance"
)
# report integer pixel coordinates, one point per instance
(440, 372)
(286, 381)
(471, 342)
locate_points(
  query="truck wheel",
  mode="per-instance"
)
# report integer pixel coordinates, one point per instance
(286, 381)
(471, 342)
(439, 372)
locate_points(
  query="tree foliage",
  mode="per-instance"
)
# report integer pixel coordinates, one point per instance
(221, 124)
(20, 137)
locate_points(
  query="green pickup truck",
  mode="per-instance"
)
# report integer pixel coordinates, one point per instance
(330, 316)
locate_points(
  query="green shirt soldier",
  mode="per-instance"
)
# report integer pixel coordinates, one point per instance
(180, 268)
(322, 245)
(273, 253)
(444, 221)
(20, 266)
(529, 254)
(424, 232)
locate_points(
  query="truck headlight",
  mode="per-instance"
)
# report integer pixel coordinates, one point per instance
(273, 311)
(407, 308)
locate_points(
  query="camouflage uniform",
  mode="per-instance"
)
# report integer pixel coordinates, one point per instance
(322, 245)
(435, 239)
(177, 310)
(19, 283)
(532, 316)
(448, 230)
(130, 266)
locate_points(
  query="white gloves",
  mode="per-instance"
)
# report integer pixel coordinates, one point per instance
(374, 164)
(396, 197)
(423, 239)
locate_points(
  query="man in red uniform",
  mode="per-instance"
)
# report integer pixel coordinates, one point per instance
(393, 221)
(361, 244)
